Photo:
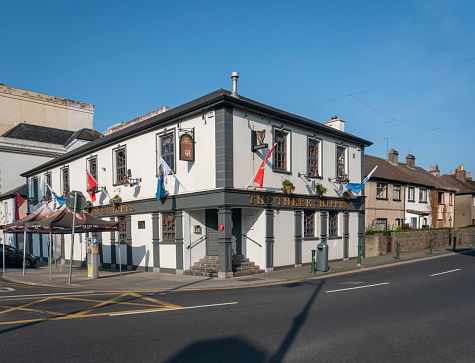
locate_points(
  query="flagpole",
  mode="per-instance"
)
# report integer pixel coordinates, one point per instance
(179, 182)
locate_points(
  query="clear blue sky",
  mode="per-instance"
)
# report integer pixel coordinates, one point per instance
(130, 58)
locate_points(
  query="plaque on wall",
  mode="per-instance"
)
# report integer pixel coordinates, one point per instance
(187, 148)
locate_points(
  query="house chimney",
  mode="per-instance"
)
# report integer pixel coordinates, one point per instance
(460, 172)
(411, 161)
(469, 176)
(235, 76)
(434, 170)
(336, 123)
(392, 156)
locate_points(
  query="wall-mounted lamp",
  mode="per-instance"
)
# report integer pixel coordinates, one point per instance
(129, 181)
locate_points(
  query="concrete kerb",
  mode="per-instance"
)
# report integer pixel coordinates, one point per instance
(176, 282)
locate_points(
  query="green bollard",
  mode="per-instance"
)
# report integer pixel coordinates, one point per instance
(455, 242)
(313, 262)
(359, 256)
(397, 251)
(430, 247)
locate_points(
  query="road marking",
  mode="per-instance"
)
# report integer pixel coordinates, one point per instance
(181, 308)
(446, 272)
(60, 293)
(358, 287)
(6, 289)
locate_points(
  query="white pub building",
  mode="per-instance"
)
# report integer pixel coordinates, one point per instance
(214, 145)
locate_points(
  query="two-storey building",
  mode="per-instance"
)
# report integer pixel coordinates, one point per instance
(214, 145)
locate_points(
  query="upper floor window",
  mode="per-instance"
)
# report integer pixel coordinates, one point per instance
(120, 160)
(92, 167)
(34, 183)
(309, 224)
(5, 209)
(167, 149)
(410, 194)
(168, 230)
(422, 195)
(332, 223)
(312, 161)
(65, 179)
(341, 162)
(381, 191)
(440, 199)
(280, 151)
(451, 199)
(397, 192)
(47, 191)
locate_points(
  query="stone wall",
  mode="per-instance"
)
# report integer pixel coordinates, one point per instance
(410, 241)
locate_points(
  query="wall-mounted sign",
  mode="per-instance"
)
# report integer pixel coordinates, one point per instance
(210, 114)
(221, 227)
(141, 224)
(187, 147)
(257, 140)
(197, 229)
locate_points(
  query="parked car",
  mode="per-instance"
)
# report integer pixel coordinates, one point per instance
(14, 257)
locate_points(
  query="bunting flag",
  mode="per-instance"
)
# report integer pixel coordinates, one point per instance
(163, 171)
(91, 187)
(355, 187)
(61, 201)
(259, 178)
(19, 201)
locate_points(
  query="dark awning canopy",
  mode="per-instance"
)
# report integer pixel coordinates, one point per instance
(41, 213)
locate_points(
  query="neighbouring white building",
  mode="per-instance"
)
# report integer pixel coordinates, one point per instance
(7, 215)
(213, 149)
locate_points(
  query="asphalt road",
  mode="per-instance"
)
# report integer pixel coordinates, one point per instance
(418, 312)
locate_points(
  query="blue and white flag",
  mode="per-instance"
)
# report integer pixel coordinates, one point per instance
(355, 187)
(61, 201)
(163, 171)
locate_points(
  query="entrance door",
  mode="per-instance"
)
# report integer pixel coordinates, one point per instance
(212, 245)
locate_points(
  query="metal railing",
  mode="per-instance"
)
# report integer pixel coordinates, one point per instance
(249, 238)
(193, 244)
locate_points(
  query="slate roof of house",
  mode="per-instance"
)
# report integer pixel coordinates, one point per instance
(30, 132)
(202, 104)
(462, 186)
(84, 134)
(21, 190)
(402, 173)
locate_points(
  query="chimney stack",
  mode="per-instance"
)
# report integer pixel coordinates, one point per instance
(235, 76)
(411, 161)
(434, 170)
(469, 176)
(393, 154)
(336, 123)
(460, 172)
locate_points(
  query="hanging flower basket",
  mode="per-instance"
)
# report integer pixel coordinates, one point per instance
(347, 194)
(320, 189)
(88, 207)
(116, 200)
(287, 186)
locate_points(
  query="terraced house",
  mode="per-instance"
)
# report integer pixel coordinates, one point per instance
(403, 193)
(213, 212)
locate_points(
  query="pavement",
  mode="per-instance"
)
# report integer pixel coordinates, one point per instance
(155, 281)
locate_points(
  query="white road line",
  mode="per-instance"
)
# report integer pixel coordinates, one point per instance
(446, 272)
(60, 293)
(358, 287)
(183, 308)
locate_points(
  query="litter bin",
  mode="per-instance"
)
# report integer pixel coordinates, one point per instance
(322, 257)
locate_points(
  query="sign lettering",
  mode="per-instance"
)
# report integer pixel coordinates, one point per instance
(257, 199)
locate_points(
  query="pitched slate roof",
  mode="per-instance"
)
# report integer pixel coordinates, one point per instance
(402, 173)
(84, 134)
(462, 186)
(30, 132)
(21, 190)
(201, 104)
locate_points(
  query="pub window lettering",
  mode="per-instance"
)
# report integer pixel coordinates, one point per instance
(280, 151)
(312, 171)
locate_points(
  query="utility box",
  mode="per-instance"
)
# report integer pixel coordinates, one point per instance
(322, 257)
(92, 258)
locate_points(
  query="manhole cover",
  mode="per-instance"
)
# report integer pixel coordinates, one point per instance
(21, 315)
(251, 279)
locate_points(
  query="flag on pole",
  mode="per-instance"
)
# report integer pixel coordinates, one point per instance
(91, 186)
(163, 171)
(61, 201)
(259, 178)
(19, 201)
(355, 187)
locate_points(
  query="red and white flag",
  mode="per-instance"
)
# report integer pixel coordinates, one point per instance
(19, 211)
(91, 187)
(259, 178)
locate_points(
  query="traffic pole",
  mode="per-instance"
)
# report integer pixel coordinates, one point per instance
(430, 247)
(313, 262)
(359, 256)
(72, 238)
(397, 251)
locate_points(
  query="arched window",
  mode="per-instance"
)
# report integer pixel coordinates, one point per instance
(168, 231)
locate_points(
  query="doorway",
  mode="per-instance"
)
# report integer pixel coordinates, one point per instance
(211, 220)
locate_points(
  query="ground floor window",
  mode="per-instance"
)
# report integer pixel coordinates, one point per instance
(309, 224)
(414, 222)
(168, 227)
(122, 230)
(381, 224)
(332, 223)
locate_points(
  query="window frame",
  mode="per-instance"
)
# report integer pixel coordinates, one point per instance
(159, 136)
(309, 215)
(384, 186)
(385, 221)
(115, 169)
(167, 231)
(422, 191)
(122, 229)
(440, 198)
(287, 153)
(318, 143)
(34, 190)
(333, 215)
(89, 162)
(47, 192)
(409, 189)
(394, 190)
(344, 175)
(68, 184)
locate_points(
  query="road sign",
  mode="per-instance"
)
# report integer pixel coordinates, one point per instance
(80, 203)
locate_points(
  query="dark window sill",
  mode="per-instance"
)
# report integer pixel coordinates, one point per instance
(421, 201)
(412, 201)
(311, 238)
(396, 200)
(281, 171)
(381, 198)
(335, 237)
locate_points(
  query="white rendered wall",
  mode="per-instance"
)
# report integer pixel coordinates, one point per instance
(284, 246)
(198, 250)
(142, 247)
(353, 248)
(254, 226)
